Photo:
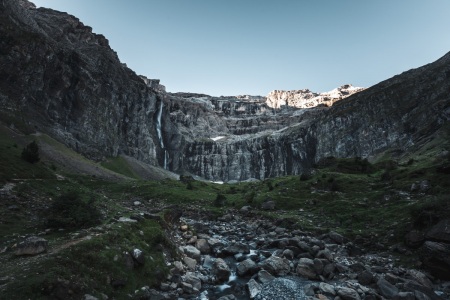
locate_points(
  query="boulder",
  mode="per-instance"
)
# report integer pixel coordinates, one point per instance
(305, 268)
(138, 256)
(276, 266)
(221, 270)
(245, 267)
(436, 258)
(414, 239)
(365, 277)
(348, 293)
(31, 246)
(253, 288)
(264, 276)
(440, 232)
(192, 252)
(336, 237)
(268, 205)
(203, 246)
(190, 263)
(386, 289)
(327, 289)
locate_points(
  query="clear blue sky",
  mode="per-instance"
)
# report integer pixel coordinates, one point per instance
(237, 47)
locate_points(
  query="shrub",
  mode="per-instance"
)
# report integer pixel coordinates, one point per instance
(31, 153)
(70, 211)
(220, 200)
(305, 176)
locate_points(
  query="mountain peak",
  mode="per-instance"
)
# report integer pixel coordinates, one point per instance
(305, 98)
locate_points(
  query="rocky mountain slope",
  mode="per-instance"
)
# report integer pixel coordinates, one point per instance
(59, 78)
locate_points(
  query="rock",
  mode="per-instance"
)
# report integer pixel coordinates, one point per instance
(305, 268)
(137, 203)
(268, 205)
(440, 232)
(265, 277)
(336, 237)
(236, 248)
(31, 246)
(348, 293)
(420, 278)
(193, 280)
(386, 289)
(245, 267)
(282, 288)
(405, 296)
(227, 297)
(327, 289)
(89, 297)
(178, 267)
(288, 254)
(221, 270)
(203, 246)
(128, 260)
(318, 266)
(172, 214)
(325, 254)
(192, 252)
(138, 256)
(253, 288)
(365, 277)
(276, 266)
(190, 263)
(184, 227)
(436, 258)
(414, 239)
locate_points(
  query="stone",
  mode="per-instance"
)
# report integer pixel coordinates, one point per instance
(203, 246)
(192, 252)
(268, 205)
(276, 265)
(190, 263)
(236, 248)
(414, 239)
(348, 293)
(336, 237)
(245, 267)
(89, 297)
(327, 289)
(366, 277)
(265, 277)
(253, 288)
(31, 246)
(288, 254)
(138, 256)
(436, 258)
(305, 268)
(318, 266)
(420, 278)
(193, 280)
(325, 254)
(440, 232)
(221, 270)
(386, 289)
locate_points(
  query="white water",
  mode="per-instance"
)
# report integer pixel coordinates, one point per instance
(158, 130)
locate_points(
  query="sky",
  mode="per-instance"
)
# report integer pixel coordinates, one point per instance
(238, 47)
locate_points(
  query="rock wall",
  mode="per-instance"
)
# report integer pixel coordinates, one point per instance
(60, 78)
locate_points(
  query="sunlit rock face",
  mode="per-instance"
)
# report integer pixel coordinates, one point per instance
(58, 77)
(306, 99)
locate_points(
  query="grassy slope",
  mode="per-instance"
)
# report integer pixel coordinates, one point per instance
(347, 195)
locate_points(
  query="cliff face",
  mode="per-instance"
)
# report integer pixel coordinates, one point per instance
(399, 113)
(58, 77)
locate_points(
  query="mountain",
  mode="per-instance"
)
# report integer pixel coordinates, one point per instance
(59, 78)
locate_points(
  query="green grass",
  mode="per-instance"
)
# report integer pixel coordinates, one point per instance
(120, 166)
(12, 166)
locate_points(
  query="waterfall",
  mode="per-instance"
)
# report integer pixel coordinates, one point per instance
(158, 130)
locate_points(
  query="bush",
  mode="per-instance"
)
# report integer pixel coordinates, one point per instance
(70, 211)
(305, 176)
(31, 153)
(220, 200)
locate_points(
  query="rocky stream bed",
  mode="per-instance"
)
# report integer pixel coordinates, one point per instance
(243, 256)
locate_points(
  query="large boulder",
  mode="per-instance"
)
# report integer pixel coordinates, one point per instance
(245, 267)
(276, 266)
(440, 232)
(31, 246)
(436, 258)
(305, 268)
(221, 270)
